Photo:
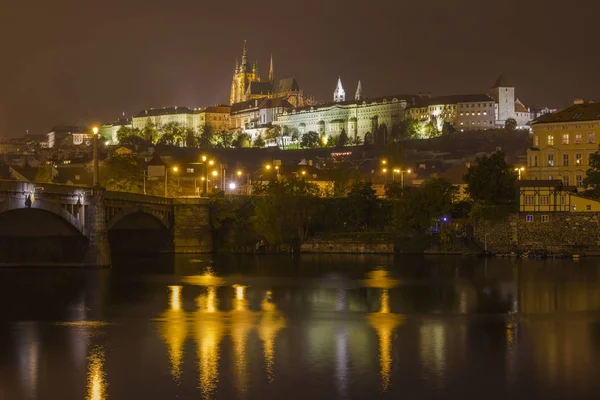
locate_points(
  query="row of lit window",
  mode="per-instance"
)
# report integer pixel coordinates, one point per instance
(479, 113)
(566, 138)
(478, 122)
(479, 105)
(565, 160)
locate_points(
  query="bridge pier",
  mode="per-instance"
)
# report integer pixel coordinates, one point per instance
(191, 226)
(98, 250)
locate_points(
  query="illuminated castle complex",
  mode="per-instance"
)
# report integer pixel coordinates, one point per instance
(247, 85)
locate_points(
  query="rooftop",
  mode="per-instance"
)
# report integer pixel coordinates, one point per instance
(153, 112)
(452, 99)
(574, 113)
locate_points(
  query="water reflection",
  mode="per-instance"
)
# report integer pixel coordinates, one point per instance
(384, 324)
(96, 379)
(29, 358)
(270, 324)
(174, 331)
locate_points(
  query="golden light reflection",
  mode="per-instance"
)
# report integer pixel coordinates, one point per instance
(96, 379)
(380, 279)
(208, 302)
(270, 324)
(209, 332)
(175, 301)
(174, 331)
(242, 322)
(206, 279)
(384, 324)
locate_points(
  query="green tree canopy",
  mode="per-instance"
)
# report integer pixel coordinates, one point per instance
(592, 180)
(510, 124)
(122, 173)
(258, 142)
(310, 140)
(417, 209)
(285, 210)
(491, 180)
(343, 139)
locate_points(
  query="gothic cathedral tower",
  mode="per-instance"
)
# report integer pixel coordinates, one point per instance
(243, 75)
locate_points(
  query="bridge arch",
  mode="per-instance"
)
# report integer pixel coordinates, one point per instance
(127, 212)
(53, 208)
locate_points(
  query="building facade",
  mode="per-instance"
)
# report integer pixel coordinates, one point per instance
(508, 105)
(562, 144)
(68, 135)
(162, 116)
(356, 118)
(464, 112)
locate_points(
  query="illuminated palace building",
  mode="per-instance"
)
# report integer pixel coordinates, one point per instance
(563, 142)
(356, 117)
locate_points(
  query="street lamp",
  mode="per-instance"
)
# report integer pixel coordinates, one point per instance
(401, 172)
(519, 170)
(96, 169)
(174, 169)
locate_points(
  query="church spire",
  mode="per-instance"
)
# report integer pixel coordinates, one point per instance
(271, 71)
(237, 66)
(340, 94)
(359, 92)
(244, 57)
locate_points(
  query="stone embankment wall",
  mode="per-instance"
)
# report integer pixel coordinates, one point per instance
(563, 232)
(346, 246)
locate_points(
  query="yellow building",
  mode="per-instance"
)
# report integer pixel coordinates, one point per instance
(216, 118)
(539, 196)
(563, 142)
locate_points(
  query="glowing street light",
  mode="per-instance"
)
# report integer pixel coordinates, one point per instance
(96, 168)
(232, 186)
(175, 170)
(401, 172)
(268, 166)
(215, 173)
(203, 158)
(211, 162)
(239, 173)
(519, 170)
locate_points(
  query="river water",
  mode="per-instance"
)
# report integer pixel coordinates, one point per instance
(314, 327)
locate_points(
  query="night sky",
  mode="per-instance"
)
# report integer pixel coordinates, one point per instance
(79, 62)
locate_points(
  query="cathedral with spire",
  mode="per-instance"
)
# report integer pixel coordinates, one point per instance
(247, 84)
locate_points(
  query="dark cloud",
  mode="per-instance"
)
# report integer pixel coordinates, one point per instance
(73, 62)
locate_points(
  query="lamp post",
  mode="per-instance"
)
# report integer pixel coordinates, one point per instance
(519, 170)
(401, 172)
(175, 169)
(95, 140)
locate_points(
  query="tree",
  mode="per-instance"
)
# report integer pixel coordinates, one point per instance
(223, 139)
(448, 129)
(310, 140)
(491, 180)
(430, 129)
(405, 130)
(295, 135)
(273, 133)
(130, 136)
(191, 138)
(368, 138)
(510, 124)
(242, 140)
(297, 200)
(173, 134)
(363, 204)
(356, 141)
(419, 207)
(207, 139)
(122, 173)
(258, 142)
(342, 139)
(592, 180)
(149, 132)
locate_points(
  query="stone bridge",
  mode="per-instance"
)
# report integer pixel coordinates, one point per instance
(98, 220)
